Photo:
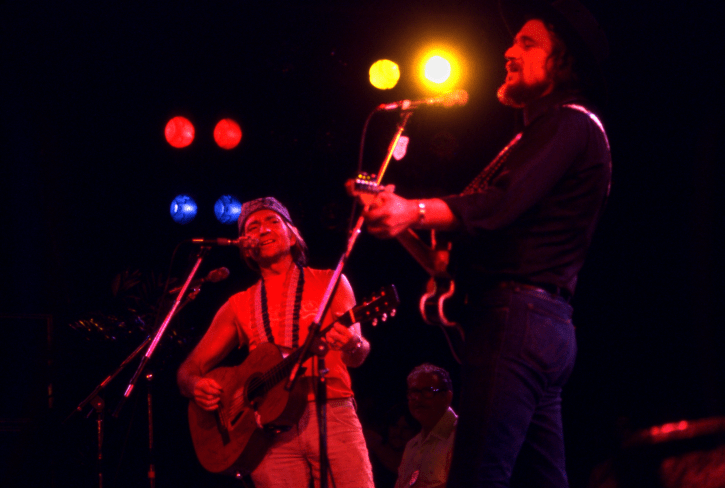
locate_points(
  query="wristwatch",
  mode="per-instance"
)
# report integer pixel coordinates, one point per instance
(352, 346)
(421, 211)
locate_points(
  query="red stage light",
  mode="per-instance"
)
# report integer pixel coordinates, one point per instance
(179, 132)
(227, 134)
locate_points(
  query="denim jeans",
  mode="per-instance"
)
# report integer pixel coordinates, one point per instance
(518, 354)
(293, 460)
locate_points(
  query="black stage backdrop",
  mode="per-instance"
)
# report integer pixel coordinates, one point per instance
(87, 240)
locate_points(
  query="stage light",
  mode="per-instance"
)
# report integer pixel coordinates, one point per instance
(440, 70)
(179, 132)
(183, 209)
(437, 69)
(384, 74)
(227, 134)
(227, 209)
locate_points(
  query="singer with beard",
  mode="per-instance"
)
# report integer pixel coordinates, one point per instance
(521, 230)
(279, 308)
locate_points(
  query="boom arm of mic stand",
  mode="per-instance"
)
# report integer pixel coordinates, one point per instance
(159, 333)
(321, 395)
(334, 280)
(109, 378)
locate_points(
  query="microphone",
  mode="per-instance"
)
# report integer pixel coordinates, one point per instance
(243, 242)
(214, 276)
(447, 100)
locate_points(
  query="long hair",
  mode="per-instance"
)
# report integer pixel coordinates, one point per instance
(575, 70)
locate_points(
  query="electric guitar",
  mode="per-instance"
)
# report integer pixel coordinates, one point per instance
(433, 258)
(254, 404)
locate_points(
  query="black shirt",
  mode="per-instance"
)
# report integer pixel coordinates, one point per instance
(535, 219)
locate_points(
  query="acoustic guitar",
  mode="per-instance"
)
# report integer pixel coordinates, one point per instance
(254, 404)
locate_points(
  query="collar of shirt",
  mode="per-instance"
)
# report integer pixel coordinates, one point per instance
(443, 429)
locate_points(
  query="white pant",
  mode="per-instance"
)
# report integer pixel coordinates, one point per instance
(294, 457)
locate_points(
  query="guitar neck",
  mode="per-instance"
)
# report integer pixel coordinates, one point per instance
(378, 306)
(434, 261)
(284, 368)
(429, 259)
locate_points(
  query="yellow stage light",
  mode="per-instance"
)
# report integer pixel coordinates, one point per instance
(384, 74)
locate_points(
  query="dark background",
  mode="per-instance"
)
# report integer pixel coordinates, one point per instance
(87, 181)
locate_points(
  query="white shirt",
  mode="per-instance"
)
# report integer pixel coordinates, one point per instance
(426, 461)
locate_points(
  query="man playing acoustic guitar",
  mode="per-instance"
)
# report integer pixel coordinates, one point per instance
(274, 314)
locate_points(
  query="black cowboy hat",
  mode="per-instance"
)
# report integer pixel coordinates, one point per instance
(577, 27)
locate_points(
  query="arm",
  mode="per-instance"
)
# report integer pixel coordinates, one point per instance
(348, 340)
(218, 341)
(535, 165)
(548, 150)
(390, 214)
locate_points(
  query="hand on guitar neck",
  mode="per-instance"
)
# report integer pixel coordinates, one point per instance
(388, 215)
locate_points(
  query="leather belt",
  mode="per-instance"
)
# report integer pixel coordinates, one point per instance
(547, 288)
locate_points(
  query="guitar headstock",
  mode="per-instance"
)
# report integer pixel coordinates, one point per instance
(379, 306)
(364, 187)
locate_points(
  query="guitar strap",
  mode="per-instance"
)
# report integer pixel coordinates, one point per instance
(484, 177)
(289, 312)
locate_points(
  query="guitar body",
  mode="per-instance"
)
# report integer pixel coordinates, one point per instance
(432, 303)
(254, 404)
(237, 435)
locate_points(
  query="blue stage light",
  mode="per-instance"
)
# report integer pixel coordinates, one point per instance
(183, 209)
(227, 209)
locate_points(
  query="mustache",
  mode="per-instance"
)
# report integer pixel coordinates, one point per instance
(513, 66)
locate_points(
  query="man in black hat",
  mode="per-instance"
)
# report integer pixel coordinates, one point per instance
(279, 309)
(522, 228)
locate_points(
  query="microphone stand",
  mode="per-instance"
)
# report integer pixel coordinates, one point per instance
(152, 454)
(321, 396)
(160, 332)
(98, 403)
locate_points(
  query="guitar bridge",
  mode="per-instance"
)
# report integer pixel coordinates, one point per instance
(276, 429)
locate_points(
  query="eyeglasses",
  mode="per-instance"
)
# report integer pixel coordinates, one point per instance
(426, 393)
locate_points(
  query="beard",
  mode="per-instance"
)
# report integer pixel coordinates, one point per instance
(520, 94)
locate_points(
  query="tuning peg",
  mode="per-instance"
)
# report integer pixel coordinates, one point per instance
(374, 322)
(393, 312)
(384, 317)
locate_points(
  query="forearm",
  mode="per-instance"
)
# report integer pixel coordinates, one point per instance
(355, 352)
(432, 213)
(187, 376)
(391, 215)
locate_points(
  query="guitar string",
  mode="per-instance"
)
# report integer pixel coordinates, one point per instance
(238, 403)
